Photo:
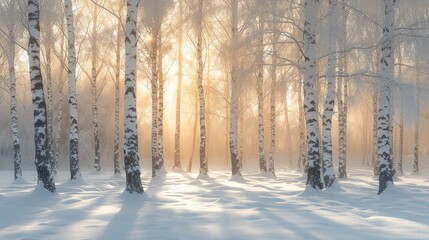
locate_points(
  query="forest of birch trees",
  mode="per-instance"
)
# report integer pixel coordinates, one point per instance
(198, 85)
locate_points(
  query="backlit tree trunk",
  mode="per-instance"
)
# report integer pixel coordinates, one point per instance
(235, 159)
(328, 168)
(94, 75)
(131, 157)
(177, 161)
(17, 159)
(74, 129)
(384, 118)
(260, 93)
(43, 165)
(310, 77)
(200, 73)
(116, 166)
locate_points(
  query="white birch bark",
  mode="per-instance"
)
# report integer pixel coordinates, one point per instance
(386, 75)
(310, 77)
(94, 74)
(235, 159)
(131, 157)
(160, 120)
(43, 165)
(177, 161)
(328, 168)
(17, 159)
(156, 163)
(201, 96)
(116, 166)
(342, 94)
(417, 127)
(273, 76)
(260, 93)
(302, 151)
(74, 129)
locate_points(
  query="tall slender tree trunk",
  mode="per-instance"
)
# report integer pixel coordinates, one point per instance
(49, 113)
(273, 76)
(74, 129)
(417, 126)
(260, 93)
(235, 159)
(342, 156)
(177, 161)
(342, 94)
(116, 166)
(43, 165)
(310, 77)
(328, 168)
(160, 120)
(302, 151)
(200, 73)
(401, 124)
(384, 118)
(131, 157)
(156, 164)
(17, 159)
(94, 74)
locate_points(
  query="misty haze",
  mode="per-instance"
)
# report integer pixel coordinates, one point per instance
(222, 119)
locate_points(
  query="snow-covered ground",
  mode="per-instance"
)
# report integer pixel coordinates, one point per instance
(182, 207)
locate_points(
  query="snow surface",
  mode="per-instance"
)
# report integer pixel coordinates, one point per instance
(180, 206)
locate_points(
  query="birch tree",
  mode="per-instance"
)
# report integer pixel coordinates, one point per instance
(94, 76)
(71, 65)
(201, 97)
(384, 118)
(273, 76)
(260, 92)
(233, 125)
(42, 162)
(310, 77)
(177, 161)
(328, 170)
(9, 11)
(131, 157)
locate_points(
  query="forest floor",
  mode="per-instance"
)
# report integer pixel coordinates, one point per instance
(180, 206)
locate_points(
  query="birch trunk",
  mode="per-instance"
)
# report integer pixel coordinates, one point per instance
(310, 77)
(177, 161)
(235, 159)
(17, 159)
(273, 75)
(384, 118)
(156, 164)
(328, 168)
(94, 74)
(131, 157)
(116, 166)
(417, 127)
(43, 165)
(50, 142)
(74, 129)
(302, 155)
(200, 74)
(342, 95)
(260, 93)
(160, 120)
(401, 124)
